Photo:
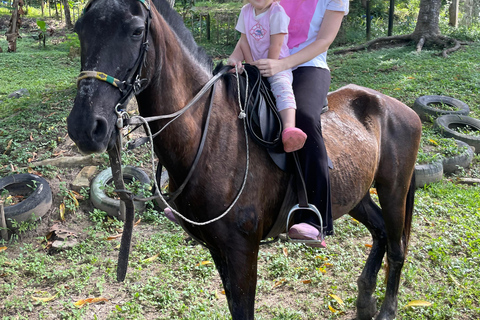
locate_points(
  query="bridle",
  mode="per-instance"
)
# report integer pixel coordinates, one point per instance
(132, 84)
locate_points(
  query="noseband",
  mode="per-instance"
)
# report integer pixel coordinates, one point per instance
(132, 83)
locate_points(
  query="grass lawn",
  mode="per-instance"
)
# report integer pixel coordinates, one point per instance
(170, 278)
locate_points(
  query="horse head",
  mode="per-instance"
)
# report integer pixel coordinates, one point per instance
(113, 34)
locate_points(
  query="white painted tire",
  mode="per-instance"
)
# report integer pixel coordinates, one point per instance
(37, 203)
(112, 206)
(463, 160)
(428, 173)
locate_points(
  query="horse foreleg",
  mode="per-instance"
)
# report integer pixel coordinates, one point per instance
(238, 270)
(370, 215)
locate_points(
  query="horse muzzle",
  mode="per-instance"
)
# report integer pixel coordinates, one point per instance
(94, 136)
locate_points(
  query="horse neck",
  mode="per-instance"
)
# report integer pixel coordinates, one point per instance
(175, 77)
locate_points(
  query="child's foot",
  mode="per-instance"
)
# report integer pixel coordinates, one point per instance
(304, 231)
(169, 214)
(293, 139)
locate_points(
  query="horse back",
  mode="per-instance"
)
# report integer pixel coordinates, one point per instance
(369, 137)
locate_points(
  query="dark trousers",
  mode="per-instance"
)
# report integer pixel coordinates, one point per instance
(310, 86)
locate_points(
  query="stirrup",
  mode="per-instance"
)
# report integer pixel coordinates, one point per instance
(310, 207)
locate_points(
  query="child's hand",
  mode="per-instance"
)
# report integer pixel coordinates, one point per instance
(237, 66)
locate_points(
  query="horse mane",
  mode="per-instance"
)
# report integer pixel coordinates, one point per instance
(183, 34)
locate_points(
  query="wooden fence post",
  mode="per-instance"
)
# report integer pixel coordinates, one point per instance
(208, 26)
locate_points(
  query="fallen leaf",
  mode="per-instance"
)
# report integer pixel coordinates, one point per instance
(45, 299)
(306, 281)
(137, 223)
(373, 191)
(279, 283)
(410, 78)
(333, 309)
(77, 195)
(397, 89)
(62, 211)
(82, 302)
(222, 292)
(368, 245)
(337, 298)
(114, 237)
(433, 141)
(74, 198)
(203, 263)
(31, 136)
(285, 252)
(9, 145)
(151, 258)
(418, 303)
(3, 249)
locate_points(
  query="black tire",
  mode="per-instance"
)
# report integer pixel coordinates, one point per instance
(451, 164)
(423, 107)
(448, 123)
(428, 173)
(37, 203)
(112, 206)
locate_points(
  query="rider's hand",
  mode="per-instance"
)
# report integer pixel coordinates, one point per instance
(269, 67)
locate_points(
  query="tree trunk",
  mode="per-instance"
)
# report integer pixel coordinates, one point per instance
(428, 19)
(68, 19)
(12, 32)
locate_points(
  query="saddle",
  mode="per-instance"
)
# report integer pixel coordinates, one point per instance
(263, 120)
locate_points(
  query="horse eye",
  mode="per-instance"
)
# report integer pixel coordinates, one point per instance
(138, 31)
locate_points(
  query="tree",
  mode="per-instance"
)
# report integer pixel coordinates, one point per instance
(68, 19)
(427, 32)
(15, 23)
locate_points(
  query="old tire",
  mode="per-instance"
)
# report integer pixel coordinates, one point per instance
(37, 202)
(451, 164)
(112, 206)
(423, 106)
(428, 173)
(448, 123)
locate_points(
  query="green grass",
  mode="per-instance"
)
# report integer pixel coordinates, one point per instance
(405, 75)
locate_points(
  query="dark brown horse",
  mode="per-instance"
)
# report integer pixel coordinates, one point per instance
(370, 137)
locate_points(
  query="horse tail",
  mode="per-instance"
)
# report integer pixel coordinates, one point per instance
(409, 213)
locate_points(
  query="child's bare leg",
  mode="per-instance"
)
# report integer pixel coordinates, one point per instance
(293, 138)
(288, 117)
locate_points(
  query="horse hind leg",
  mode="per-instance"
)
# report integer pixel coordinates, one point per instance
(370, 215)
(397, 209)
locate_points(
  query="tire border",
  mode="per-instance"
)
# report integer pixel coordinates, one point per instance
(428, 173)
(422, 108)
(38, 202)
(112, 206)
(451, 164)
(443, 122)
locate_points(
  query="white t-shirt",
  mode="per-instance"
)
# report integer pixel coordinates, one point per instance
(306, 16)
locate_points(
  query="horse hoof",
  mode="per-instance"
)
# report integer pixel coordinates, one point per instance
(369, 311)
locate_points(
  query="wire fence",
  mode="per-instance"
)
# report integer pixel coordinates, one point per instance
(215, 28)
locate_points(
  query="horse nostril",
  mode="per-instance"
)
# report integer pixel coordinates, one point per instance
(99, 129)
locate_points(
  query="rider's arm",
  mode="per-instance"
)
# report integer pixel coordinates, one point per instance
(327, 33)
